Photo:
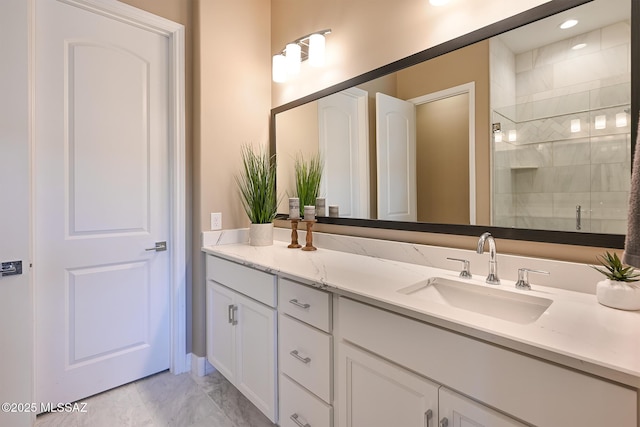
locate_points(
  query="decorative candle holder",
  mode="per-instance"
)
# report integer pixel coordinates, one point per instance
(309, 246)
(294, 234)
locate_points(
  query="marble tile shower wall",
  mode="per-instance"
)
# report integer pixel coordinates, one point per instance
(549, 170)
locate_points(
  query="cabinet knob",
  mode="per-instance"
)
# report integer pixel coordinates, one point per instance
(295, 419)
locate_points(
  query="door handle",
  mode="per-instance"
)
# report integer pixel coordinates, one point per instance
(159, 247)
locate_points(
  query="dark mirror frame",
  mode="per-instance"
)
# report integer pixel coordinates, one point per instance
(540, 12)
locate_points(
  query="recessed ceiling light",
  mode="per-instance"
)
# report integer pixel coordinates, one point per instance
(579, 46)
(569, 23)
(438, 2)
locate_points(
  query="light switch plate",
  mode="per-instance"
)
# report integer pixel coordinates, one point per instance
(216, 221)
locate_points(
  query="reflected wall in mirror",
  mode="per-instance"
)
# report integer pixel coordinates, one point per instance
(559, 161)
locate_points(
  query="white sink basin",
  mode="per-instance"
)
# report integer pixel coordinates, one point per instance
(505, 305)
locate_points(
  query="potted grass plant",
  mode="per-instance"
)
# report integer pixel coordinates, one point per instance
(618, 290)
(308, 174)
(257, 186)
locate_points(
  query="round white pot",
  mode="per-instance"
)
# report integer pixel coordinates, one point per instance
(620, 295)
(261, 234)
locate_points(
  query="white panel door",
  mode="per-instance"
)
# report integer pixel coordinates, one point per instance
(344, 147)
(101, 199)
(396, 158)
(375, 393)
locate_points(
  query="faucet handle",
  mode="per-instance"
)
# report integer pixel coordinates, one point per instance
(465, 273)
(523, 277)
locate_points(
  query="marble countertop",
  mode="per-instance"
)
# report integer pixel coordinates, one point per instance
(575, 331)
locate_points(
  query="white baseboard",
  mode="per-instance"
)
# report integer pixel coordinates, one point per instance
(200, 366)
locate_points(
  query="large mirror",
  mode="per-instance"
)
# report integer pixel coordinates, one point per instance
(527, 132)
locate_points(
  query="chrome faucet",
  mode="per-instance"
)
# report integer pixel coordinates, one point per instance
(492, 278)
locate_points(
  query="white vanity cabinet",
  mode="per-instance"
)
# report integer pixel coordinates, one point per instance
(526, 388)
(305, 354)
(241, 330)
(377, 393)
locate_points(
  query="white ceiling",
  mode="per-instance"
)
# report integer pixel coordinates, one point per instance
(591, 16)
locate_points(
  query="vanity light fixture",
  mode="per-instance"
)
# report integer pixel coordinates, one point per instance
(621, 120)
(601, 122)
(568, 24)
(287, 62)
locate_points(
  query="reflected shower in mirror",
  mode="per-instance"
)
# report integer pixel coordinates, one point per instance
(529, 129)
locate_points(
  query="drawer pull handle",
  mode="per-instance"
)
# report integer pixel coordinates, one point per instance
(299, 304)
(295, 419)
(295, 354)
(444, 422)
(232, 314)
(427, 417)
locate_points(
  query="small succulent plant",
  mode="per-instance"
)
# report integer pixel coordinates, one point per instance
(615, 270)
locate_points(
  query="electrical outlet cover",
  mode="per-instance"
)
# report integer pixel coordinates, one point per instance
(216, 221)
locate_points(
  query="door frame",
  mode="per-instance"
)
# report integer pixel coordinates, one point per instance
(468, 88)
(175, 35)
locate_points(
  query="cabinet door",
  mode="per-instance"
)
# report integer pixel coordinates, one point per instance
(462, 412)
(255, 349)
(220, 334)
(375, 393)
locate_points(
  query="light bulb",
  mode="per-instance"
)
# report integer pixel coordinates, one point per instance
(621, 120)
(575, 125)
(279, 68)
(316, 50)
(293, 54)
(569, 23)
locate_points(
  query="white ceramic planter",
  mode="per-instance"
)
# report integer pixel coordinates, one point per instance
(620, 295)
(261, 234)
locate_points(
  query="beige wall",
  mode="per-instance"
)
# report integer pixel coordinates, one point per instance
(370, 33)
(228, 75)
(298, 135)
(470, 64)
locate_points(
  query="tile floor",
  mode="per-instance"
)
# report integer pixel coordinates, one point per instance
(165, 399)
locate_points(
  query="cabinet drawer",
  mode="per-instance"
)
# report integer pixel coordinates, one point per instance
(305, 303)
(253, 283)
(305, 356)
(296, 403)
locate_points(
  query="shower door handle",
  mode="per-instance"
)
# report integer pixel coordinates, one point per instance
(578, 217)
